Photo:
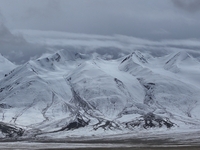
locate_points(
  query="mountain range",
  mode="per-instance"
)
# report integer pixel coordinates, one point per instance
(70, 93)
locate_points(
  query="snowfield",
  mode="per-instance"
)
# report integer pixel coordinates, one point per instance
(70, 94)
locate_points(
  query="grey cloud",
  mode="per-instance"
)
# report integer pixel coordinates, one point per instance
(6, 37)
(16, 48)
(139, 18)
(49, 9)
(153, 20)
(188, 5)
(20, 54)
(2, 19)
(115, 46)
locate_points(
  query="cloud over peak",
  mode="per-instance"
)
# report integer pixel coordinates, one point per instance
(188, 5)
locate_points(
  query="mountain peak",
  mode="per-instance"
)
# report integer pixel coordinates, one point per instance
(179, 56)
(137, 57)
(180, 60)
(140, 56)
(65, 55)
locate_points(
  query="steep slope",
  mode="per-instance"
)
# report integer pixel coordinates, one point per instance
(165, 94)
(5, 66)
(67, 90)
(36, 92)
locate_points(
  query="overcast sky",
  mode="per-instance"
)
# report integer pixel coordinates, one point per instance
(154, 20)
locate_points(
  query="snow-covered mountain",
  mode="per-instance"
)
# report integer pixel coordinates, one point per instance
(5, 66)
(64, 91)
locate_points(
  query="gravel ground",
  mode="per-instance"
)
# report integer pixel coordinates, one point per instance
(171, 141)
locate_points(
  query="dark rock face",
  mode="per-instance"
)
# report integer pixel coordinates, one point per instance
(106, 125)
(5, 106)
(127, 58)
(149, 97)
(150, 120)
(10, 130)
(57, 57)
(77, 123)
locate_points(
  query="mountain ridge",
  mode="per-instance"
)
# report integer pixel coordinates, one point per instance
(68, 90)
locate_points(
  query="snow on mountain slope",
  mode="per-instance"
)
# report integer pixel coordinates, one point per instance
(165, 93)
(184, 67)
(5, 66)
(180, 59)
(68, 90)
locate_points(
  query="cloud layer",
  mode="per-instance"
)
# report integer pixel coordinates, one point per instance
(16, 48)
(152, 20)
(30, 28)
(116, 45)
(22, 45)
